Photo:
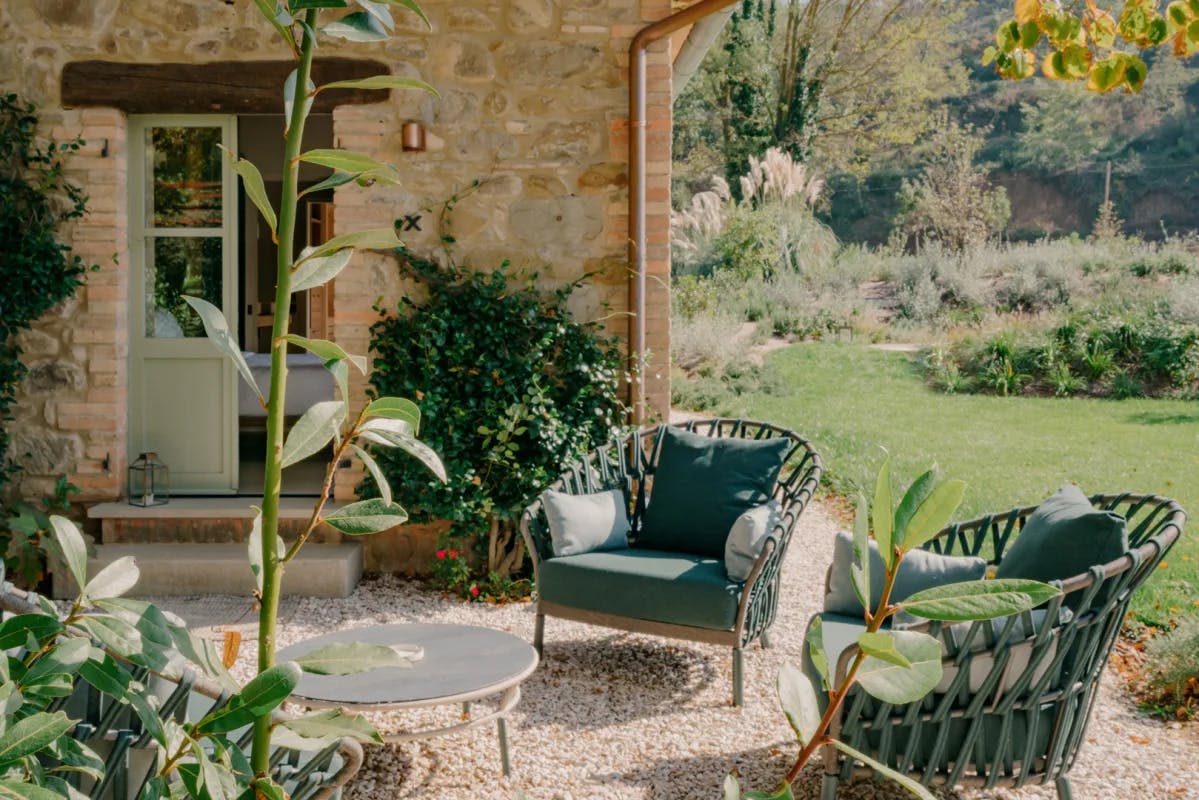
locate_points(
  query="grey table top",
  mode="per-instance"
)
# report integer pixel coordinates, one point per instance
(460, 662)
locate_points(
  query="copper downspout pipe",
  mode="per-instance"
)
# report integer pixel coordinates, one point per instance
(637, 51)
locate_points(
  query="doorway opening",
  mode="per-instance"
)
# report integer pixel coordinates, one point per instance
(260, 140)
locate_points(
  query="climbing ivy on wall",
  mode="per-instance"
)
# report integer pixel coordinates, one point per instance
(38, 269)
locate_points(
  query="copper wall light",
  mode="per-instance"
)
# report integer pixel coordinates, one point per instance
(412, 135)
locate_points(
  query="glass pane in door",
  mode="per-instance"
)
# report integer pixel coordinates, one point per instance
(178, 266)
(186, 177)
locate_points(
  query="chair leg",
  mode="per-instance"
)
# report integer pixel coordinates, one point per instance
(828, 787)
(765, 640)
(539, 634)
(738, 678)
(1064, 790)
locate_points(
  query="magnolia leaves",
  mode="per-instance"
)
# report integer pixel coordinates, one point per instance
(216, 327)
(1087, 45)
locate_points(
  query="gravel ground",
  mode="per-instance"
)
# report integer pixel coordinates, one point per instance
(618, 716)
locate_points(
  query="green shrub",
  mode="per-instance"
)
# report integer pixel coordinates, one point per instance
(40, 271)
(1119, 353)
(511, 390)
(1172, 671)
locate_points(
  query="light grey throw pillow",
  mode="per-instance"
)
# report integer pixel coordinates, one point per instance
(581, 523)
(921, 569)
(747, 537)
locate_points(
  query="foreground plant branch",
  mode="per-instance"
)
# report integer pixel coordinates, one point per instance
(385, 422)
(893, 665)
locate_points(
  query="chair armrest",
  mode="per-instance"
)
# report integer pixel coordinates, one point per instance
(756, 610)
(533, 541)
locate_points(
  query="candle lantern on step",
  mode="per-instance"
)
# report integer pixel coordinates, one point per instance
(149, 481)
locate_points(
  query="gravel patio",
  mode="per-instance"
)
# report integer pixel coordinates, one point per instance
(618, 716)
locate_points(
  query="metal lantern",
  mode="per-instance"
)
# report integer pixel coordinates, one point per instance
(149, 481)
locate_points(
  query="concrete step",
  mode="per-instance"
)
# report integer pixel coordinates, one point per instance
(320, 570)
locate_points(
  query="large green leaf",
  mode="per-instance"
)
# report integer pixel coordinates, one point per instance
(315, 429)
(23, 790)
(346, 161)
(327, 351)
(816, 651)
(147, 618)
(381, 82)
(373, 239)
(303, 5)
(114, 580)
(912, 499)
(905, 781)
(289, 98)
(251, 180)
(376, 473)
(859, 570)
(332, 182)
(357, 27)
(267, 789)
(32, 734)
(351, 658)
(398, 433)
(882, 646)
(216, 327)
(204, 654)
(275, 15)
(797, 696)
(892, 683)
(65, 658)
(395, 408)
(72, 546)
(366, 516)
(254, 547)
(960, 602)
(934, 513)
(106, 675)
(259, 697)
(782, 793)
(314, 272)
(881, 514)
(379, 11)
(15, 631)
(115, 634)
(412, 6)
(332, 724)
(74, 756)
(341, 376)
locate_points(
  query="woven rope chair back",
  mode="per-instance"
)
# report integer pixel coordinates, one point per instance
(1016, 693)
(629, 464)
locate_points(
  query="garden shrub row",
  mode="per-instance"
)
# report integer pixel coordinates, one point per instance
(1117, 354)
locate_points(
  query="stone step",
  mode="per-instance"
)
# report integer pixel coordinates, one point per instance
(320, 570)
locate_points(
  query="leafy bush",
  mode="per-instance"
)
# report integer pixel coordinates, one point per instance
(1172, 671)
(510, 390)
(23, 535)
(40, 271)
(1117, 353)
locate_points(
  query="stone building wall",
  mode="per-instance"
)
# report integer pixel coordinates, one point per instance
(533, 103)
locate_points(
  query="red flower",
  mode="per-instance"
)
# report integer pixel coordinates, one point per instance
(453, 554)
(474, 591)
(441, 554)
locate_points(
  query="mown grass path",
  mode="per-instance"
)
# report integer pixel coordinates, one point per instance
(851, 401)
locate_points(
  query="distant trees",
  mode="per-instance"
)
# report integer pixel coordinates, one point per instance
(953, 201)
(829, 81)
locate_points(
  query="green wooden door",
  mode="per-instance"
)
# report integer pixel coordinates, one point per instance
(183, 241)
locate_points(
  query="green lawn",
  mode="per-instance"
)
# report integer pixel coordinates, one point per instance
(1011, 451)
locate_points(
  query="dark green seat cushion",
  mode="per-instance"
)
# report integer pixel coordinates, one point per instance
(702, 484)
(920, 569)
(644, 584)
(1064, 537)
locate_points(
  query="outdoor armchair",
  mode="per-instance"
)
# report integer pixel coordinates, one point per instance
(669, 592)
(1016, 693)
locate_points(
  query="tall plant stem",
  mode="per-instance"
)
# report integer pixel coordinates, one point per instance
(837, 698)
(272, 573)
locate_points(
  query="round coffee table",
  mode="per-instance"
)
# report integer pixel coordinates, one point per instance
(460, 664)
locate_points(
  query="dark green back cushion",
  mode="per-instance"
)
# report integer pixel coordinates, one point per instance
(702, 484)
(1064, 537)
